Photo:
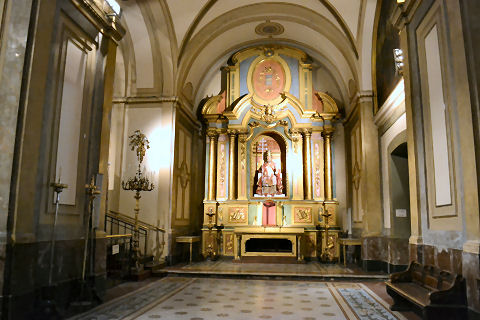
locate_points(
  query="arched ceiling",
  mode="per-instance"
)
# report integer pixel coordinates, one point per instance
(202, 34)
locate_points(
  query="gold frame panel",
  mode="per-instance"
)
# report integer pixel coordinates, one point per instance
(234, 215)
(288, 78)
(228, 243)
(297, 209)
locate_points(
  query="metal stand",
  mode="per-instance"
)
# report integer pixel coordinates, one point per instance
(87, 295)
(211, 252)
(326, 254)
(48, 307)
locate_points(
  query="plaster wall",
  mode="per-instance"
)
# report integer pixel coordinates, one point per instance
(156, 121)
(143, 49)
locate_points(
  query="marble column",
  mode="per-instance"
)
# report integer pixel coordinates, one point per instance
(212, 163)
(307, 163)
(231, 165)
(327, 158)
(14, 66)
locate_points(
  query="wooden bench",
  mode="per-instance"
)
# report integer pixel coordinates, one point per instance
(437, 293)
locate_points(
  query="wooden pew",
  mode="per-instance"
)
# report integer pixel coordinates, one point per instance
(438, 294)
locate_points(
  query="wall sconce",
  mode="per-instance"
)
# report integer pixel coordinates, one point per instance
(398, 58)
(400, 1)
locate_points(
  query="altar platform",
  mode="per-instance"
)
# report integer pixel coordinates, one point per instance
(313, 270)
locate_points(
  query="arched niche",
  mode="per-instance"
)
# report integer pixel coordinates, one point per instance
(398, 206)
(275, 143)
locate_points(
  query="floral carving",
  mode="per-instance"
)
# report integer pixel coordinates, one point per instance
(303, 215)
(237, 215)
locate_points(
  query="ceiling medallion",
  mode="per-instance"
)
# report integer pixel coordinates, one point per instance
(269, 28)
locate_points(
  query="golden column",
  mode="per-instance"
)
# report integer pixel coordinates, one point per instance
(212, 163)
(231, 165)
(327, 147)
(307, 163)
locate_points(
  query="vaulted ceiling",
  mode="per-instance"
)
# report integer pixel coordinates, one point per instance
(175, 47)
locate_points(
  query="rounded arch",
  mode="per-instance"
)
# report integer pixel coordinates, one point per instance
(319, 59)
(257, 160)
(329, 41)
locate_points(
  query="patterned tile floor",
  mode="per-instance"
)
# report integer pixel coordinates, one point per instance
(209, 298)
(226, 266)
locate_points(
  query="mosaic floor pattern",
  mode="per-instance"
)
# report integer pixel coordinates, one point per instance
(310, 269)
(177, 298)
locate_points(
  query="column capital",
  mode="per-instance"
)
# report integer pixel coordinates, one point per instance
(232, 132)
(307, 132)
(212, 133)
(328, 132)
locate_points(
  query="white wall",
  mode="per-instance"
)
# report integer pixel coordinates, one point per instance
(156, 124)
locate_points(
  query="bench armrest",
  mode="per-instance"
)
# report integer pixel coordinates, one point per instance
(456, 294)
(404, 276)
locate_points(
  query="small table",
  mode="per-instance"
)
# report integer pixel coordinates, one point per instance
(188, 239)
(344, 242)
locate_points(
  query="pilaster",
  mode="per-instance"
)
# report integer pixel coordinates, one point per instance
(370, 177)
(231, 165)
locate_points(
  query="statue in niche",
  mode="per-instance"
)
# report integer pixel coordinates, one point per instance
(269, 178)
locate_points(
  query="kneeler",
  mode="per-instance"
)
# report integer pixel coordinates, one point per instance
(269, 216)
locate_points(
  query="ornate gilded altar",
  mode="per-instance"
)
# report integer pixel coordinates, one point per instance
(269, 175)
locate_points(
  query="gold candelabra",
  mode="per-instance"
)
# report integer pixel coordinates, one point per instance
(327, 254)
(138, 184)
(211, 253)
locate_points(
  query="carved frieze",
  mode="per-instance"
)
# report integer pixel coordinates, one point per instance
(317, 166)
(302, 215)
(228, 238)
(222, 167)
(237, 215)
(242, 167)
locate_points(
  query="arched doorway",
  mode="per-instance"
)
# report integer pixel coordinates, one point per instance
(399, 192)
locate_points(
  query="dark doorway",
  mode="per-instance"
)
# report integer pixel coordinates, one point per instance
(399, 192)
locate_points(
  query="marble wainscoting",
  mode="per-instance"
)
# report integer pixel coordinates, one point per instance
(456, 261)
(446, 259)
(385, 254)
(29, 284)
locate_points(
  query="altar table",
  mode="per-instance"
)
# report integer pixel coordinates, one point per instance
(243, 234)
